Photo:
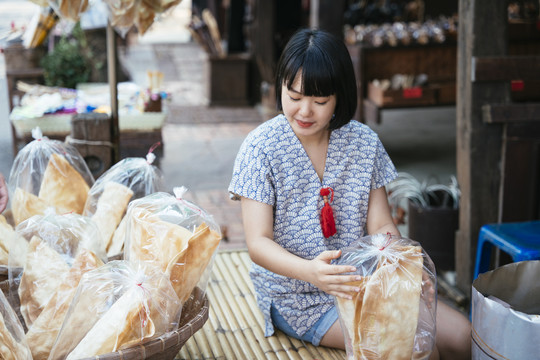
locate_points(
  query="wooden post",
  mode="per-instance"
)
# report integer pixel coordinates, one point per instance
(113, 81)
(263, 41)
(330, 14)
(482, 32)
(314, 14)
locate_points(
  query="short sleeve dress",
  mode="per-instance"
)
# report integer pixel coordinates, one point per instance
(272, 167)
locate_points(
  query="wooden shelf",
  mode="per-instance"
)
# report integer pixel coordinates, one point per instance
(437, 61)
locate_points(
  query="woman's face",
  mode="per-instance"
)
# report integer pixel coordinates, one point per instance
(307, 115)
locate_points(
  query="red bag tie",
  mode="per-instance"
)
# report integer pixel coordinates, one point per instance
(328, 225)
(154, 146)
(388, 240)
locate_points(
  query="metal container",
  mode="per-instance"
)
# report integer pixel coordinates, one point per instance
(505, 312)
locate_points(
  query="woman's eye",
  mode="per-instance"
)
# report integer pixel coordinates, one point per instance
(321, 102)
(293, 99)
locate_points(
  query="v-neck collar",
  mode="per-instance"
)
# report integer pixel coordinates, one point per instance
(307, 160)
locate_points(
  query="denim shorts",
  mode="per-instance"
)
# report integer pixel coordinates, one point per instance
(313, 335)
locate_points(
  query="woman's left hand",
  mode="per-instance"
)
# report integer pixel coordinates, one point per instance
(327, 277)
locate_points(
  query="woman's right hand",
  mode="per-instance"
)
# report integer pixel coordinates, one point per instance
(326, 276)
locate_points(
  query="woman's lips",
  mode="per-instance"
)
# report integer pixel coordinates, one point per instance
(304, 124)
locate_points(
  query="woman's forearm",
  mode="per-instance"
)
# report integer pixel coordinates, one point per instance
(267, 253)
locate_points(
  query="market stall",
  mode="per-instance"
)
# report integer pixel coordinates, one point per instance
(24, 63)
(71, 287)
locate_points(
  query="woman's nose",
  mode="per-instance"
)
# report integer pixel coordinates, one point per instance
(305, 108)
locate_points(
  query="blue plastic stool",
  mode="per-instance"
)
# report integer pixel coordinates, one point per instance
(520, 240)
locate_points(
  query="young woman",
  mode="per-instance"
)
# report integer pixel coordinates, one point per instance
(279, 173)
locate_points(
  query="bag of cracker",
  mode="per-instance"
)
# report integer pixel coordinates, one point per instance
(121, 14)
(115, 307)
(13, 342)
(54, 245)
(107, 201)
(393, 314)
(174, 235)
(48, 173)
(69, 9)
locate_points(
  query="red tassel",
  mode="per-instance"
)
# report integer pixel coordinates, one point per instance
(328, 224)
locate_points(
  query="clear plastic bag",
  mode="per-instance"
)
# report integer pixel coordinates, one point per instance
(139, 13)
(393, 315)
(48, 173)
(115, 307)
(42, 334)
(55, 241)
(122, 14)
(160, 6)
(12, 340)
(175, 236)
(69, 9)
(11, 242)
(127, 180)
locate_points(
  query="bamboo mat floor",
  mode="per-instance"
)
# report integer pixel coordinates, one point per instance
(234, 329)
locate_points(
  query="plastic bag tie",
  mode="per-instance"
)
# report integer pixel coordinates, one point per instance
(37, 133)
(145, 300)
(150, 157)
(387, 242)
(179, 193)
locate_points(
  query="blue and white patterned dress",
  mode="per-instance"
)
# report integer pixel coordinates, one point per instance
(272, 167)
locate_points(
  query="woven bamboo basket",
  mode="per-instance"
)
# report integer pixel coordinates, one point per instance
(4, 272)
(165, 347)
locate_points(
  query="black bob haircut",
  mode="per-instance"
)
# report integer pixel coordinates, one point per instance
(326, 68)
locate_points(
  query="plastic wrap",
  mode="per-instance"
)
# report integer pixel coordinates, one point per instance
(149, 9)
(175, 236)
(69, 9)
(160, 6)
(48, 173)
(144, 16)
(115, 307)
(13, 344)
(122, 14)
(393, 315)
(42, 334)
(12, 243)
(55, 241)
(141, 13)
(127, 180)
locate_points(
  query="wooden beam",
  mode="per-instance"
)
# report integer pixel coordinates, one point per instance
(113, 88)
(505, 68)
(372, 113)
(511, 113)
(520, 193)
(482, 33)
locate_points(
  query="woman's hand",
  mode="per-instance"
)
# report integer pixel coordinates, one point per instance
(3, 193)
(428, 289)
(326, 276)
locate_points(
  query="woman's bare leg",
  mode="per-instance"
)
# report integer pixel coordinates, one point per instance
(453, 339)
(334, 337)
